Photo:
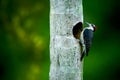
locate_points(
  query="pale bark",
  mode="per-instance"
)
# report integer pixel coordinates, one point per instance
(64, 47)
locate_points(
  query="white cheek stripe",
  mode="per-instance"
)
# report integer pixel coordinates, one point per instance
(90, 28)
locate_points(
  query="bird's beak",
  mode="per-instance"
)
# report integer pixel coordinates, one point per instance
(87, 23)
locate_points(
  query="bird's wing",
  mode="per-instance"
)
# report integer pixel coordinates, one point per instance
(88, 36)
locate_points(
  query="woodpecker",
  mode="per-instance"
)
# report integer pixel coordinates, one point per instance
(86, 39)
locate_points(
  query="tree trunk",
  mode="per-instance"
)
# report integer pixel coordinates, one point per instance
(64, 47)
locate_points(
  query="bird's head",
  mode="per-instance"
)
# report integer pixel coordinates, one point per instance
(92, 26)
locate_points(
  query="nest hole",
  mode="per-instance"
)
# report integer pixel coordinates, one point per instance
(77, 29)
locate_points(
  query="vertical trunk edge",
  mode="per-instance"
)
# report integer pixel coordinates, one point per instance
(65, 50)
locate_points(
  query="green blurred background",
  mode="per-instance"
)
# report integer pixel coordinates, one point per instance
(24, 40)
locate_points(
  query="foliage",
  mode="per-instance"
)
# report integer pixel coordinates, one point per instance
(24, 39)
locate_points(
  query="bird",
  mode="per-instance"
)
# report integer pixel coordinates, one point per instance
(86, 39)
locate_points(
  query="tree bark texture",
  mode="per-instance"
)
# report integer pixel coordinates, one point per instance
(64, 47)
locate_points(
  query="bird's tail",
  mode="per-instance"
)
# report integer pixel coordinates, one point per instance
(88, 49)
(82, 56)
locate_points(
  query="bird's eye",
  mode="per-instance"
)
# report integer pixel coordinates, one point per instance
(92, 25)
